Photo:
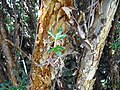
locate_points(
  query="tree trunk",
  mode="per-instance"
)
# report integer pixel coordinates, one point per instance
(56, 14)
(10, 61)
(51, 17)
(90, 60)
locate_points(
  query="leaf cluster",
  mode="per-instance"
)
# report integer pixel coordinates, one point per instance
(58, 36)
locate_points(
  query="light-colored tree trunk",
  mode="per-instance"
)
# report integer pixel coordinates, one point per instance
(90, 60)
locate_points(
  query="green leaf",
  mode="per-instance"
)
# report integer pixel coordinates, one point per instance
(116, 45)
(79, 39)
(12, 88)
(51, 34)
(58, 48)
(118, 31)
(22, 88)
(61, 37)
(58, 53)
(59, 32)
(3, 86)
(60, 29)
(118, 24)
(50, 50)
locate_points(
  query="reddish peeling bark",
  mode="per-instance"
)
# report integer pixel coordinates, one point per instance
(51, 17)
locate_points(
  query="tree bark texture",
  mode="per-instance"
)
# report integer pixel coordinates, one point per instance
(90, 60)
(51, 17)
(10, 60)
(54, 14)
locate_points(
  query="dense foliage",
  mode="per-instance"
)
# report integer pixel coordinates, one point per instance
(20, 22)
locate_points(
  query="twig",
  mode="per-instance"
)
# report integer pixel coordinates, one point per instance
(25, 68)
(38, 65)
(80, 30)
(17, 48)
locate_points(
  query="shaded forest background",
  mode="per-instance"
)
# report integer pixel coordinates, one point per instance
(18, 24)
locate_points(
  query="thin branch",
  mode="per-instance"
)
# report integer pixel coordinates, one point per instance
(38, 65)
(17, 48)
